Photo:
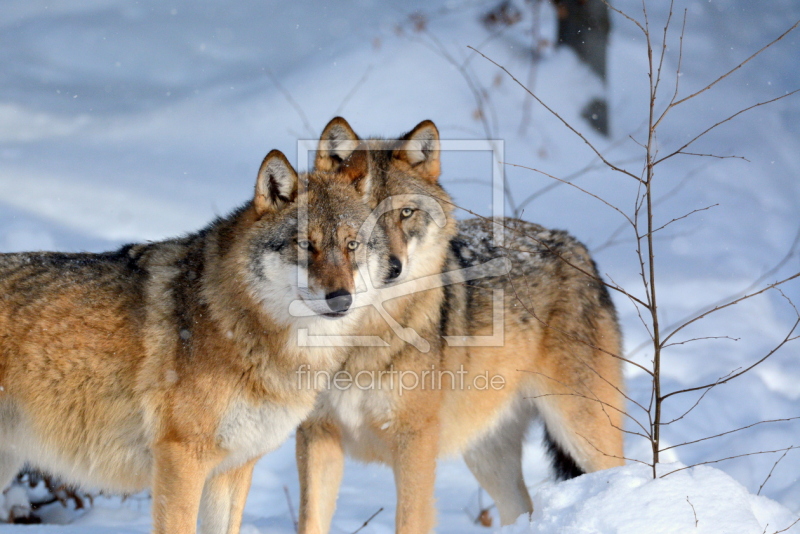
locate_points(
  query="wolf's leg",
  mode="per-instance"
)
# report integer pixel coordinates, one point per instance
(496, 461)
(10, 465)
(414, 466)
(223, 501)
(180, 473)
(320, 464)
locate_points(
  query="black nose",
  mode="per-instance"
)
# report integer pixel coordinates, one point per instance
(339, 301)
(395, 267)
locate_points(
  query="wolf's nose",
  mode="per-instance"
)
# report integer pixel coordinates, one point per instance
(339, 301)
(395, 267)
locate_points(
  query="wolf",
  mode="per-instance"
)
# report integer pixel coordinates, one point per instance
(171, 365)
(558, 361)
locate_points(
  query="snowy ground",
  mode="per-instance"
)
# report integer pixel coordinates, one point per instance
(124, 121)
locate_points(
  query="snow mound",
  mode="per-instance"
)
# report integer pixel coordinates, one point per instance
(627, 500)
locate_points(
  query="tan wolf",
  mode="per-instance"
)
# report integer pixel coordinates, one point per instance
(557, 360)
(172, 365)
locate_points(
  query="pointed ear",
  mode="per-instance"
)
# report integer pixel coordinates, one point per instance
(276, 185)
(419, 153)
(355, 169)
(337, 142)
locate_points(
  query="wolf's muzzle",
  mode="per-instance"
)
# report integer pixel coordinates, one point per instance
(395, 267)
(339, 301)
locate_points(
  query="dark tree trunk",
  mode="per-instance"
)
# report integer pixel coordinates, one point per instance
(584, 25)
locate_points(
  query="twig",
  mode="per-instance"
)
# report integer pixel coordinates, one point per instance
(362, 527)
(774, 269)
(729, 304)
(700, 339)
(737, 67)
(704, 132)
(787, 528)
(581, 395)
(696, 521)
(697, 402)
(725, 459)
(684, 216)
(564, 122)
(773, 469)
(291, 508)
(575, 338)
(542, 243)
(611, 455)
(353, 91)
(526, 104)
(575, 186)
(292, 102)
(787, 339)
(729, 432)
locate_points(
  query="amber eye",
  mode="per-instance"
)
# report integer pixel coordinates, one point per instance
(406, 212)
(352, 245)
(305, 244)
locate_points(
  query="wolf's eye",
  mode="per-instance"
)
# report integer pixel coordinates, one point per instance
(352, 245)
(305, 244)
(406, 212)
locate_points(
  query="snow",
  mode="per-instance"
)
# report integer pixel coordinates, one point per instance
(627, 500)
(124, 121)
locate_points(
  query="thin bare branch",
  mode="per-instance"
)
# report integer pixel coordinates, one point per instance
(773, 469)
(684, 216)
(291, 508)
(704, 132)
(699, 399)
(630, 432)
(677, 74)
(588, 344)
(725, 459)
(700, 339)
(373, 516)
(542, 243)
(354, 90)
(564, 122)
(713, 156)
(663, 47)
(787, 528)
(577, 174)
(292, 102)
(769, 273)
(729, 304)
(611, 455)
(737, 67)
(532, 67)
(581, 395)
(576, 187)
(663, 198)
(728, 432)
(638, 312)
(786, 340)
(696, 521)
(622, 13)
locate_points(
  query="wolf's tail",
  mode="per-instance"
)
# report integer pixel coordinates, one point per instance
(564, 465)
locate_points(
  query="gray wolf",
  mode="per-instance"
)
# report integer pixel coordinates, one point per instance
(558, 361)
(171, 365)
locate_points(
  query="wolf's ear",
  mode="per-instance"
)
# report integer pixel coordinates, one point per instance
(337, 142)
(355, 171)
(276, 185)
(419, 152)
